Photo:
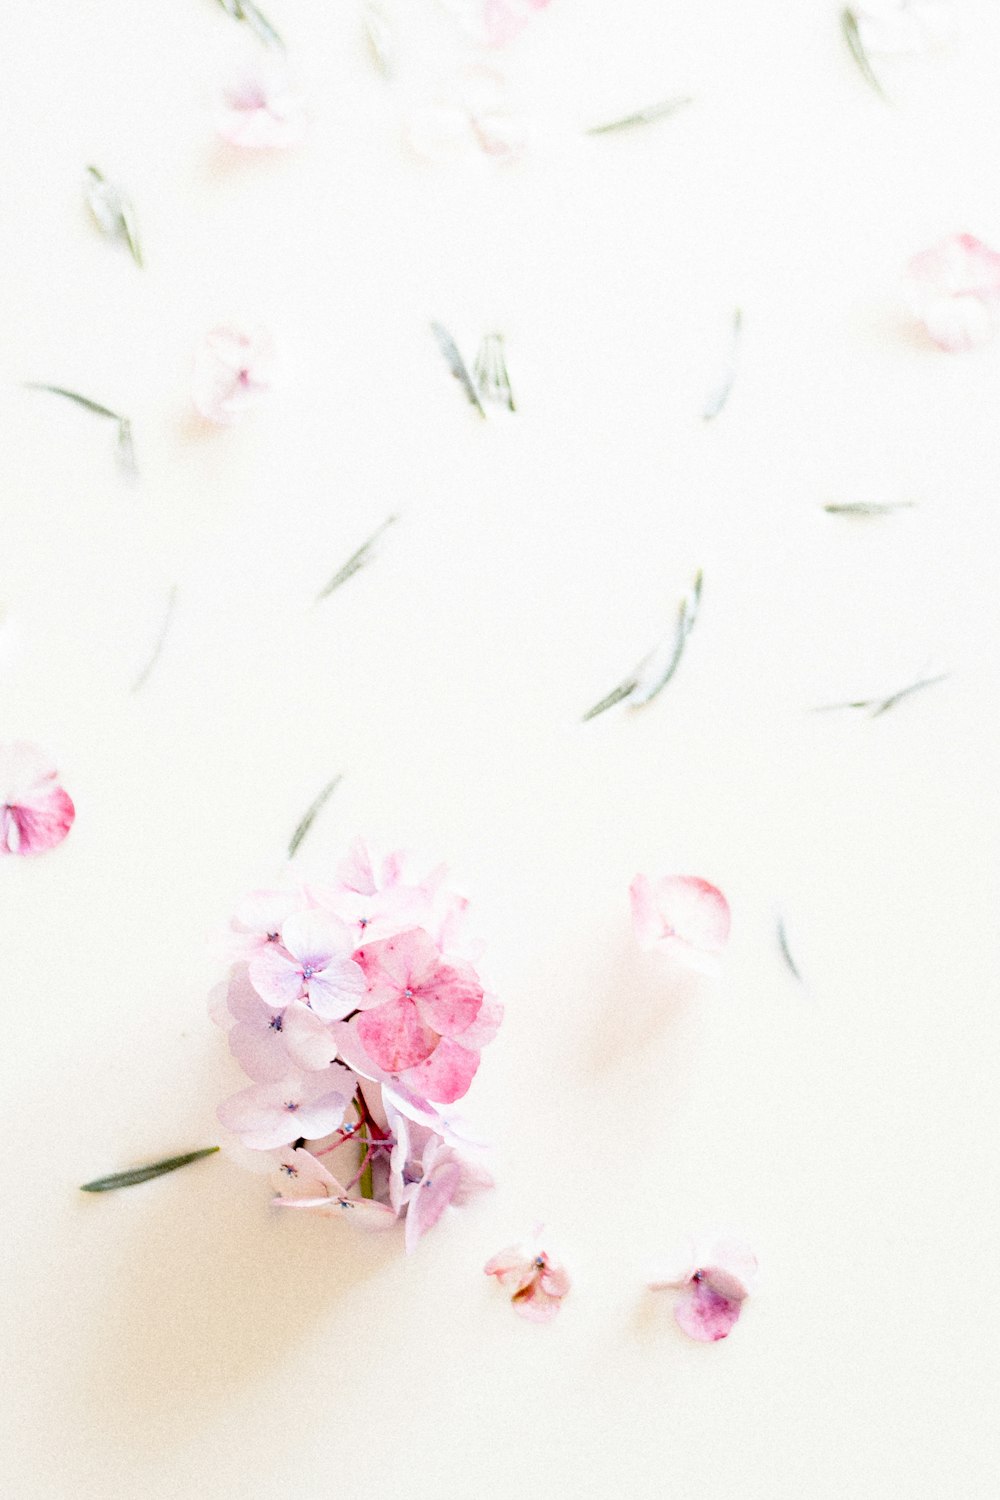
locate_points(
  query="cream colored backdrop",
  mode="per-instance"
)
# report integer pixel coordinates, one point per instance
(182, 1339)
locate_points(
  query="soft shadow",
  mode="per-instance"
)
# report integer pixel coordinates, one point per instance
(641, 1004)
(217, 1287)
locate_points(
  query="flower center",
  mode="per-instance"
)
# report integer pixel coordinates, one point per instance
(291, 1106)
(408, 993)
(275, 1023)
(308, 970)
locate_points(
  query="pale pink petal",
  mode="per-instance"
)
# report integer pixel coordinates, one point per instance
(445, 1075)
(449, 999)
(303, 1182)
(307, 1038)
(233, 372)
(954, 288)
(536, 1304)
(395, 1037)
(262, 113)
(486, 1025)
(512, 1268)
(335, 991)
(243, 1000)
(276, 977)
(260, 1051)
(706, 1314)
(730, 1267)
(272, 1114)
(432, 1196)
(683, 917)
(314, 937)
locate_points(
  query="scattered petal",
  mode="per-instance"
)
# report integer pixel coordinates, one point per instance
(954, 289)
(233, 372)
(36, 813)
(682, 917)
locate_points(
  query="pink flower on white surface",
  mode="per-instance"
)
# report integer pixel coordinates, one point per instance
(377, 905)
(470, 115)
(426, 1175)
(233, 372)
(414, 1012)
(35, 812)
(683, 918)
(714, 1280)
(267, 1042)
(303, 1182)
(894, 27)
(536, 1283)
(262, 112)
(954, 289)
(313, 964)
(259, 919)
(310, 1105)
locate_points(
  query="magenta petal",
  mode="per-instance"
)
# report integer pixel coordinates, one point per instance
(35, 812)
(446, 1075)
(706, 1314)
(395, 1037)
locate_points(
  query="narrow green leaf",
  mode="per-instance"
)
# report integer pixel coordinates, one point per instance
(457, 365)
(644, 683)
(914, 687)
(720, 395)
(84, 401)
(143, 1174)
(245, 10)
(868, 508)
(856, 47)
(356, 561)
(786, 951)
(310, 815)
(642, 116)
(491, 374)
(143, 676)
(615, 696)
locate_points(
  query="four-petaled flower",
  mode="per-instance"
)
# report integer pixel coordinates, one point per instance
(954, 289)
(35, 812)
(715, 1278)
(233, 372)
(266, 1041)
(415, 1011)
(682, 917)
(536, 1283)
(313, 963)
(307, 1105)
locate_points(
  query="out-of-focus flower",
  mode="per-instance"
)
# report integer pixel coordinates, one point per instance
(312, 963)
(307, 1105)
(233, 372)
(894, 27)
(263, 112)
(715, 1279)
(35, 812)
(469, 115)
(682, 917)
(954, 289)
(414, 1012)
(536, 1283)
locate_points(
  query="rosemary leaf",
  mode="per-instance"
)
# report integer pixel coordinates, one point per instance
(457, 365)
(856, 47)
(245, 10)
(490, 371)
(882, 705)
(868, 508)
(356, 561)
(85, 401)
(143, 676)
(310, 815)
(655, 670)
(786, 952)
(143, 1174)
(720, 395)
(615, 696)
(642, 116)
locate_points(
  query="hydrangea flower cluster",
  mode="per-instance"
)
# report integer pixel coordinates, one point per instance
(358, 1014)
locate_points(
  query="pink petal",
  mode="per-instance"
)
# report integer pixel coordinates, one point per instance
(429, 1201)
(307, 1038)
(233, 372)
(262, 114)
(445, 1075)
(314, 937)
(682, 916)
(276, 977)
(536, 1304)
(36, 813)
(730, 1267)
(260, 1052)
(486, 1025)
(954, 288)
(272, 1114)
(706, 1314)
(449, 1000)
(395, 1037)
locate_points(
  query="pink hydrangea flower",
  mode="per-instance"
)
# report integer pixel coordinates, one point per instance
(303, 1182)
(35, 812)
(267, 1042)
(312, 964)
(954, 289)
(682, 917)
(233, 372)
(536, 1284)
(260, 917)
(426, 1175)
(378, 904)
(262, 112)
(414, 1013)
(715, 1280)
(310, 1105)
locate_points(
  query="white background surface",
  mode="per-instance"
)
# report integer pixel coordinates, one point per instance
(182, 1338)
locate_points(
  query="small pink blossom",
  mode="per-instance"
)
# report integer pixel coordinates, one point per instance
(536, 1283)
(954, 289)
(259, 919)
(302, 1182)
(312, 964)
(267, 1042)
(715, 1280)
(35, 813)
(415, 1009)
(682, 917)
(262, 112)
(233, 372)
(310, 1105)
